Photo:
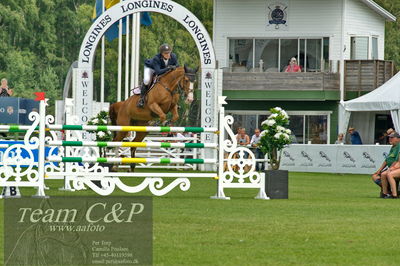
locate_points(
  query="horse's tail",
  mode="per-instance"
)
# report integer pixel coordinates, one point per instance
(113, 114)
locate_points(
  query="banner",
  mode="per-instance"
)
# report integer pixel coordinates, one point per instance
(350, 159)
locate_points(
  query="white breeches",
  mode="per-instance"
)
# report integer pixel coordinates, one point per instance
(147, 75)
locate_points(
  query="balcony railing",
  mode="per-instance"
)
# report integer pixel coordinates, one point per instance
(360, 75)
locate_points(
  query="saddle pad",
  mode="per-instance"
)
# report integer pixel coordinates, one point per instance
(136, 91)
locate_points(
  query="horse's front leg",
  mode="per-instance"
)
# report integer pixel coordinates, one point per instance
(155, 108)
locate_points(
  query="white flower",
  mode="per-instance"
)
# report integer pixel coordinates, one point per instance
(95, 120)
(278, 108)
(277, 135)
(279, 128)
(104, 121)
(272, 116)
(263, 133)
(286, 136)
(109, 132)
(270, 122)
(284, 114)
(264, 122)
(288, 131)
(101, 134)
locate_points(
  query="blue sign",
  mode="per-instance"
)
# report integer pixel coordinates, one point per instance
(15, 110)
(24, 153)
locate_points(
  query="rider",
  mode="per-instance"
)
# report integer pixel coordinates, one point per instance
(159, 64)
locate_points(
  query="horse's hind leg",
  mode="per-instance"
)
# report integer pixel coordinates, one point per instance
(138, 138)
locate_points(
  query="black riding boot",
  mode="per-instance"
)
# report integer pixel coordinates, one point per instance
(143, 91)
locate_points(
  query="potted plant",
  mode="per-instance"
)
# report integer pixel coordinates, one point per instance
(274, 137)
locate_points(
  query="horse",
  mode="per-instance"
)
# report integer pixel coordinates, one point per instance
(161, 99)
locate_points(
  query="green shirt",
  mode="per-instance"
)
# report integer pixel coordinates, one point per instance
(393, 155)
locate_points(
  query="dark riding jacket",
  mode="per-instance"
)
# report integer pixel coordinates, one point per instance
(157, 63)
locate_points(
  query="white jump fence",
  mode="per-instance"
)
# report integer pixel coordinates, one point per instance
(78, 162)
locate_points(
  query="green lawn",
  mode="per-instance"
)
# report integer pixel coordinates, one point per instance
(330, 219)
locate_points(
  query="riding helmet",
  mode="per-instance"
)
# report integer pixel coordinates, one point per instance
(165, 48)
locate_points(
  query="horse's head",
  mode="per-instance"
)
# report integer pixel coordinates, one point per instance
(187, 83)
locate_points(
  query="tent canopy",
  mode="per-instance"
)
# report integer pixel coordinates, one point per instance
(384, 98)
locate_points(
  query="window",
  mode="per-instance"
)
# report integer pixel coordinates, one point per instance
(241, 53)
(268, 51)
(374, 48)
(306, 126)
(289, 49)
(359, 48)
(249, 122)
(276, 53)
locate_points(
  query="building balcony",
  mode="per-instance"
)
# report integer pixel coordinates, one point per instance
(361, 76)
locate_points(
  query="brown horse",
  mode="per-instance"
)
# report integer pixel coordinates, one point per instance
(160, 100)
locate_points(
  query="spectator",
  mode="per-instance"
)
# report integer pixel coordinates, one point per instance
(4, 90)
(293, 66)
(393, 169)
(384, 139)
(355, 138)
(254, 142)
(242, 138)
(238, 131)
(340, 139)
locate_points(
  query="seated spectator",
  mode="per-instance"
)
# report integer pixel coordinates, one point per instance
(355, 138)
(4, 90)
(293, 66)
(255, 140)
(384, 139)
(380, 177)
(340, 139)
(242, 138)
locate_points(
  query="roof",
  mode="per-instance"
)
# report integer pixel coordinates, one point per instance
(380, 10)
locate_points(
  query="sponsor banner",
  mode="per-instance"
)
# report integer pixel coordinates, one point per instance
(78, 231)
(14, 110)
(352, 159)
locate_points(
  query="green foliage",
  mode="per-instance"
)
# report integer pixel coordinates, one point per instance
(101, 119)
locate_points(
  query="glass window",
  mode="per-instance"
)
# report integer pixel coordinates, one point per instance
(268, 51)
(241, 53)
(359, 48)
(316, 127)
(297, 127)
(313, 55)
(289, 49)
(374, 48)
(326, 54)
(249, 122)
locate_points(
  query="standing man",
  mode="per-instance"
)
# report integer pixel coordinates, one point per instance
(355, 138)
(4, 90)
(254, 142)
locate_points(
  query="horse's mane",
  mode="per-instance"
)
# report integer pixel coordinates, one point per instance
(168, 73)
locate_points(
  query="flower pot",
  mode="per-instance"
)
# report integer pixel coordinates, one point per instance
(276, 184)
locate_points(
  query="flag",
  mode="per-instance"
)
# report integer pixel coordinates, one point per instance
(112, 32)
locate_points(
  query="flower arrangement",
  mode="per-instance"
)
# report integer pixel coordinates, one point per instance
(275, 136)
(101, 119)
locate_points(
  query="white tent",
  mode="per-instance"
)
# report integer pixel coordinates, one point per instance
(384, 98)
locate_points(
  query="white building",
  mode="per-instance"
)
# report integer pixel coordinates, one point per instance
(339, 45)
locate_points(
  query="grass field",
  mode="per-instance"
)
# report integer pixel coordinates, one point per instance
(330, 219)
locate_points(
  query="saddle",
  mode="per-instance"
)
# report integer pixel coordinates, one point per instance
(136, 90)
